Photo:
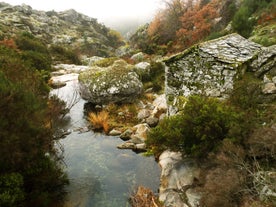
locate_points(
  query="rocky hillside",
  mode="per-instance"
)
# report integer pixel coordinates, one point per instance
(68, 28)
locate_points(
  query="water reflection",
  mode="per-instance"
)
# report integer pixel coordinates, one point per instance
(100, 174)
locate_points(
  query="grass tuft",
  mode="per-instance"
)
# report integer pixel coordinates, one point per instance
(99, 120)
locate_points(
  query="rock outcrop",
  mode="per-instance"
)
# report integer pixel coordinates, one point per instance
(65, 73)
(117, 83)
(68, 28)
(211, 68)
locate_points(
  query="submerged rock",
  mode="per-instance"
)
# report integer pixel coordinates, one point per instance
(117, 83)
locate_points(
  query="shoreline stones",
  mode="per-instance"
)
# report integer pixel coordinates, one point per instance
(177, 180)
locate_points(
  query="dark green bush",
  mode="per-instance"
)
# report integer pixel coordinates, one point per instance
(65, 55)
(105, 62)
(25, 138)
(244, 21)
(156, 77)
(11, 190)
(35, 54)
(37, 60)
(197, 131)
(28, 42)
(247, 92)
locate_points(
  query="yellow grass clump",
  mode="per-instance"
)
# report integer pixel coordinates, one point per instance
(99, 120)
(144, 197)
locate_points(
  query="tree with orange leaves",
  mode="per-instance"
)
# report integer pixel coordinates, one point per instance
(197, 23)
(162, 29)
(10, 43)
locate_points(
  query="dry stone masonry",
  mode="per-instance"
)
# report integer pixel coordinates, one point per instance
(211, 68)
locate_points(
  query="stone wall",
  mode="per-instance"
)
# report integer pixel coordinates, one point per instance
(209, 68)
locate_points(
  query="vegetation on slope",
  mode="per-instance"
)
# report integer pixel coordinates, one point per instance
(234, 141)
(184, 23)
(29, 171)
(69, 30)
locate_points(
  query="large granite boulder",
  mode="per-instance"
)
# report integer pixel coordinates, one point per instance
(113, 84)
(211, 68)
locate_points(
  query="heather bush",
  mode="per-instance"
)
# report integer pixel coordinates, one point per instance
(11, 193)
(198, 130)
(65, 55)
(35, 54)
(27, 176)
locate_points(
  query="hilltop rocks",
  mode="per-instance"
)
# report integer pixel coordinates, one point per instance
(67, 28)
(212, 67)
(114, 84)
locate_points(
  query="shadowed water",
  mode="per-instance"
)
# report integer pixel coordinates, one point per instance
(100, 174)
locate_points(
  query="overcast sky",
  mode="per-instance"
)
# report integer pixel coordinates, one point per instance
(100, 9)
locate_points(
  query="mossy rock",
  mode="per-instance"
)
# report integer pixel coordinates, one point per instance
(117, 83)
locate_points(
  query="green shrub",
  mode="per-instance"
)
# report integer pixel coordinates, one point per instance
(156, 77)
(65, 55)
(35, 54)
(25, 137)
(197, 131)
(28, 42)
(105, 62)
(247, 92)
(37, 60)
(243, 23)
(11, 190)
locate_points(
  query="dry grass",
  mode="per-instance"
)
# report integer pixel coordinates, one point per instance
(99, 120)
(144, 197)
(149, 97)
(122, 116)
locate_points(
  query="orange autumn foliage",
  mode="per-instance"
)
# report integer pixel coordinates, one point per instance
(10, 43)
(268, 16)
(155, 25)
(197, 23)
(99, 120)
(166, 22)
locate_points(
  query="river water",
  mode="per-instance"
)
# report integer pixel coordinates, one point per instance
(100, 175)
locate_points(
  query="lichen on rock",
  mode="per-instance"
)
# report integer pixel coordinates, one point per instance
(117, 83)
(209, 68)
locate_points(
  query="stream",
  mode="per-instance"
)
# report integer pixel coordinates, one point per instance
(100, 175)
